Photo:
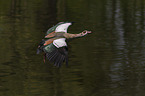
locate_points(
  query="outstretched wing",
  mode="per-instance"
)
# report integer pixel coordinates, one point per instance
(63, 27)
(57, 52)
(60, 27)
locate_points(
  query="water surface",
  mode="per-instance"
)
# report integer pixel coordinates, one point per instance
(108, 62)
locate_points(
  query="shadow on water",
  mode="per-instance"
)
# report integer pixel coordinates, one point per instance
(108, 62)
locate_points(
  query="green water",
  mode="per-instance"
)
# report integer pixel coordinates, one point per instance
(108, 62)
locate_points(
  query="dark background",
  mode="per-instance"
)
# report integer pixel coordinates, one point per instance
(108, 62)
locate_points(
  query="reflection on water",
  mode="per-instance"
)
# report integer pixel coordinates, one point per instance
(109, 62)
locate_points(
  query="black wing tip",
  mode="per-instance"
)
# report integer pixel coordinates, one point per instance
(58, 56)
(40, 46)
(38, 51)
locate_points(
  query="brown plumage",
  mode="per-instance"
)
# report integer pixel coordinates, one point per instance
(54, 45)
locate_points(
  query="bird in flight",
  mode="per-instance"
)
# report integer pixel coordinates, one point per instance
(54, 43)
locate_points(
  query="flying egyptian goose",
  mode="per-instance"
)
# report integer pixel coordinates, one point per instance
(54, 45)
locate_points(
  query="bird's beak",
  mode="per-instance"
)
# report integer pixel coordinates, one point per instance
(89, 32)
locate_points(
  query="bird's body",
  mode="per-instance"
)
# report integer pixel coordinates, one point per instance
(54, 44)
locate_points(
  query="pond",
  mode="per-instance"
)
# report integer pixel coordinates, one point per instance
(108, 62)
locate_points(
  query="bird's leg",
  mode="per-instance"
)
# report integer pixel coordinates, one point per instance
(44, 57)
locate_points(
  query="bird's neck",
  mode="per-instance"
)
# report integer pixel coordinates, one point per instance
(68, 35)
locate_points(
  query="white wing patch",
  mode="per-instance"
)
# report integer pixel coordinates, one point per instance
(63, 27)
(59, 42)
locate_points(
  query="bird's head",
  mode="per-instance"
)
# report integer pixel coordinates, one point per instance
(85, 32)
